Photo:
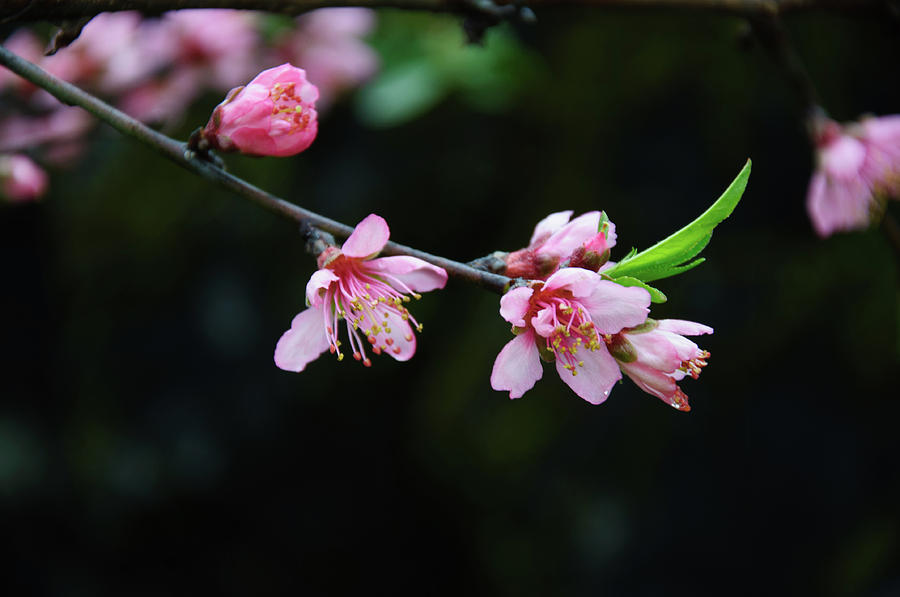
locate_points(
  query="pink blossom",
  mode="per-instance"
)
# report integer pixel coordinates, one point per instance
(882, 139)
(326, 42)
(274, 114)
(569, 318)
(368, 294)
(220, 43)
(656, 355)
(21, 179)
(858, 167)
(103, 42)
(68, 123)
(26, 44)
(555, 239)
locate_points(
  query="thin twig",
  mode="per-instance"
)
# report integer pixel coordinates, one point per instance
(180, 154)
(771, 33)
(55, 10)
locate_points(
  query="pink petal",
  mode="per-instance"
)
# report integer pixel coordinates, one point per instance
(368, 238)
(544, 323)
(318, 284)
(514, 305)
(843, 158)
(613, 307)
(518, 366)
(681, 326)
(594, 380)
(580, 282)
(571, 236)
(837, 205)
(303, 343)
(885, 129)
(400, 342)
(654, 382)
(655, 349)
(546, 227)
(413, 274)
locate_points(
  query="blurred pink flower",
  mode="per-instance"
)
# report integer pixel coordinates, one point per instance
(221, 43)
(568, 319)
(555, 239)
(21, 179)
(164, 99)
(858, 166)
(369, 294)
(65, 124)
(105, 44)
(275, 114)
(26, 44)
(326, 42)
(656, 355)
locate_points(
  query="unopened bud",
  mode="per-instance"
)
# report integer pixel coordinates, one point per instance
(274, 114)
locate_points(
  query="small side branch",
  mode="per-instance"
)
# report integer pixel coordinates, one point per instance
(179, 153)
(772, 35)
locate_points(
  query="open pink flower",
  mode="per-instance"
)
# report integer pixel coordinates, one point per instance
(274, 114)
(21, 179)
(858, 166)
(569, 318)
(555, 239)
(368, 294)
(656, 355)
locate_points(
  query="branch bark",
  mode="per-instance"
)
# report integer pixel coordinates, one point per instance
(179, 153)
(54, 10)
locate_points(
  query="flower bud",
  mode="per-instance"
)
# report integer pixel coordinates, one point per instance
(21, 179)
(274, 114)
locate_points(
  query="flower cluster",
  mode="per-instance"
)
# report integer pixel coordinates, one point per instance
(858, 167)
(368, 294)
(154, 68)
(591, 327)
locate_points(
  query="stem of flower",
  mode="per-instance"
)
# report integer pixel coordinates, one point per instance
(179, 153)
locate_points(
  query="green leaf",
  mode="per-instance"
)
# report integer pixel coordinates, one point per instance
(656, 295)
(670, 256)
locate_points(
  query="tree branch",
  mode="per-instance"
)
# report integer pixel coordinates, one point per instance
(54, 10)
(179, 153)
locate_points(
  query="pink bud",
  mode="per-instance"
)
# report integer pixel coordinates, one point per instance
(21, 179)
(274, 114)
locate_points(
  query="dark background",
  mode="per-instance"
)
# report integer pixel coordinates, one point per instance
(149, 446)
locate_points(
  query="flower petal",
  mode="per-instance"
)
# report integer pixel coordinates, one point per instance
(580, 282)
(518, 366)
(613, 307)
(318, 284)
(368, 238)
(683, 327)
(546, 227)
(413, 274)
(571, 236)
(304, 342)
(593, 379)
(654, 382)
(400, 341)
(544, 323)
(656, 349)
(514, 305)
